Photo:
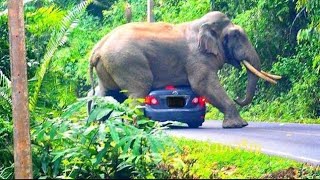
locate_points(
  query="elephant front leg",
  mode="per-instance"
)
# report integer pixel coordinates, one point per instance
(207, 83)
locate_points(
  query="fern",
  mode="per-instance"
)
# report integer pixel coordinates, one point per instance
(5, 88)
(68, 23)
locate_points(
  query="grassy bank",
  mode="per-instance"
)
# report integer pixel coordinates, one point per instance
(218, 161)
(215, 114)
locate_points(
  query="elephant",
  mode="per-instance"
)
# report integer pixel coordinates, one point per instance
(139, 56)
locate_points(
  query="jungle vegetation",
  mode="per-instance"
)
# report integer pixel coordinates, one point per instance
(59, 38)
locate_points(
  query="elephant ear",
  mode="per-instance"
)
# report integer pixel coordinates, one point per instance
(207, 40)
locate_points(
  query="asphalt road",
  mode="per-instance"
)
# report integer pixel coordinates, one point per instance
(296, 141)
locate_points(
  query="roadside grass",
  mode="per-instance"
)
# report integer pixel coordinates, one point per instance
(219, 161)
(214, 114)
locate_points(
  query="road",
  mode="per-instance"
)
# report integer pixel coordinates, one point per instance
(296, 141)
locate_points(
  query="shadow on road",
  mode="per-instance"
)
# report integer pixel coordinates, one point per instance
(174, 125)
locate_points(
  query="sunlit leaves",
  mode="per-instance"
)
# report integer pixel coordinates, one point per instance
(316, 63)
(44, 19)
(57, 39)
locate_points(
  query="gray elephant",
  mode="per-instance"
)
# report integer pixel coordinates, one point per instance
(139, 57)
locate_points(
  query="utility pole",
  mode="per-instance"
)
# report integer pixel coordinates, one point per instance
(20, 111)
(150, 15)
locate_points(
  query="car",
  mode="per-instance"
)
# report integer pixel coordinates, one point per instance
(176, 104)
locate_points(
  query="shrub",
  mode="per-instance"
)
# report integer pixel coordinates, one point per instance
(126, 145)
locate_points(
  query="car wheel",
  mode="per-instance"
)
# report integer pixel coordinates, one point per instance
(194, 125)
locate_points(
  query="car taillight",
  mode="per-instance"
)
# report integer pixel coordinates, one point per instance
(150, 100)
(202, 101)
(195, 100)
(199, 100)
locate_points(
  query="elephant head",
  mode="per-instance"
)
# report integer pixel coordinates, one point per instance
(218, 34)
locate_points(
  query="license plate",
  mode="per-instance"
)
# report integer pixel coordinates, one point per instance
(176, 102)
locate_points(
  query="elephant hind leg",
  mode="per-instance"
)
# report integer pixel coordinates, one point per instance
(132, 74)
(134, 84)
(106, 81)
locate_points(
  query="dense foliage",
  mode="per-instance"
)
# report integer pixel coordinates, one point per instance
(59, 38)
(126, 145)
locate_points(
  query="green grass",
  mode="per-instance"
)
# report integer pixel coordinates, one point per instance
(214, 114)
(219, 161)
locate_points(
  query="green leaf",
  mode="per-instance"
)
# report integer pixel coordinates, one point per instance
(102, 113)
(53, 132)
(125, 143)
(137, 145)
(58, 155)
(100, 155)
(73, 109)
(154, 145)
(40, 135)
(68, 152)
(143, 121)
(114, 134)
(88, 130)
(116, 114)
(128, 143)
(94, 114)
(102, 132)
(56, 166)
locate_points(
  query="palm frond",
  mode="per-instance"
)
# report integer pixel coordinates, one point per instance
(5, 88)
(68, 23)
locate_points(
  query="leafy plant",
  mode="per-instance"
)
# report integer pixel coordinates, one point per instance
(126, 145)
(58, 39)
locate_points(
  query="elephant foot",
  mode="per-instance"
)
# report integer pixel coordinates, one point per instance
(244, 123)
(234, 123)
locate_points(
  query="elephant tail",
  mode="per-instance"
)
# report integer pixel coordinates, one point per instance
(94, 59)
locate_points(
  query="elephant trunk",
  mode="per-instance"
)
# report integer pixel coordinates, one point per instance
(252, 82)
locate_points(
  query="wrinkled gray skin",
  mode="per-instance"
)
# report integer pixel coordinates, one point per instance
(138, 57)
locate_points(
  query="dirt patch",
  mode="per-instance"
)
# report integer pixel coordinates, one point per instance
(290, 173)
(305, 172)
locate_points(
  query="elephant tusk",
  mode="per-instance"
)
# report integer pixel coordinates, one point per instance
(258, 73)
(276, 77)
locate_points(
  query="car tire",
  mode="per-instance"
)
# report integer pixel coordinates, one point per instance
(194, 125)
